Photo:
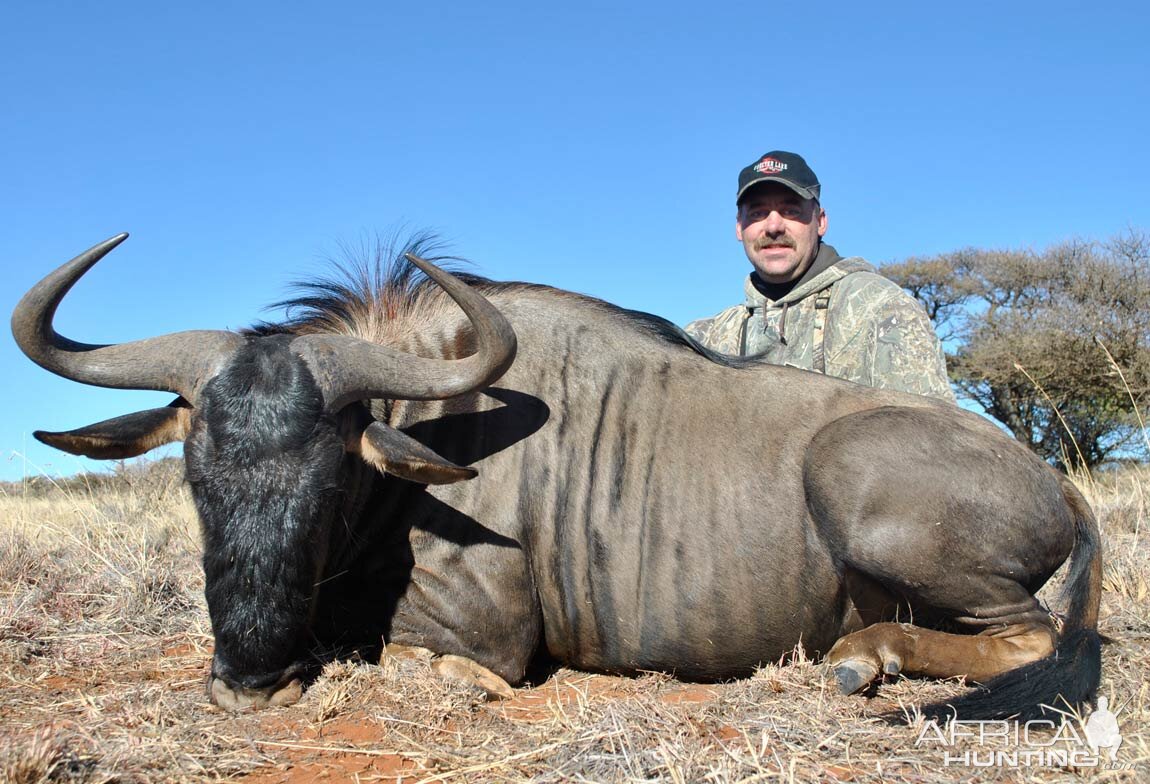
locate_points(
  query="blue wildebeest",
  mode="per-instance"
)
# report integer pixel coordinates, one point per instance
(635, 501)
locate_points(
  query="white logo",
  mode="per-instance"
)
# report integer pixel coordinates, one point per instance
(770, 166)
(1102, 730)
(1038, 743)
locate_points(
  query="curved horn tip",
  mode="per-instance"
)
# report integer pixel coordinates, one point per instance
(422, 263)
(101, 249)
(114, 240)
(88, 258)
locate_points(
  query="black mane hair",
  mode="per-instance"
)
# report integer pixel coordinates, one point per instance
(375, 277)
(377, 283)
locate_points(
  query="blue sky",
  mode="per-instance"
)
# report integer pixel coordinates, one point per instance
(594, 147)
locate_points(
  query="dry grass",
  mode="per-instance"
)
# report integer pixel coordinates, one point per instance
(104, 641)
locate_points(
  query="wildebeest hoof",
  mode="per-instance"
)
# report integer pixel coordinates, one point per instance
(892, 667)
(852, 676)
(395, 650)
(462, 669)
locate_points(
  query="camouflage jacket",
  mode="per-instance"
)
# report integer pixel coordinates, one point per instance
(848, 321)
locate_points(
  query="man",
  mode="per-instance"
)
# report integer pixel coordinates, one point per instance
(810, 308)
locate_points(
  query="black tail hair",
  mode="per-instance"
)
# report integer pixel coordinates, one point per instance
(1046, 689)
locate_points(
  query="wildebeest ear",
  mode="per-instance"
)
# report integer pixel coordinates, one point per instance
(125, 436)
(389, 450)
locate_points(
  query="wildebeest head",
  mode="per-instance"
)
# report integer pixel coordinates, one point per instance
(273, 427)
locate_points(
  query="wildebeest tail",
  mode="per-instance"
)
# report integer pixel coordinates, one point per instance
(1069, 677)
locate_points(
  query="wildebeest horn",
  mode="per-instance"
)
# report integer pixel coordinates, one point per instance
(180, 362)
(350, 369)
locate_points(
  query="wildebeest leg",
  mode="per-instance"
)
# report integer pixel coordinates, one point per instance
(962, 529)
(893, 648)
(456, 668)
(467, 591)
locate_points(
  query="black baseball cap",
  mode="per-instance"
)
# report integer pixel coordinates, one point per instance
(784, 167)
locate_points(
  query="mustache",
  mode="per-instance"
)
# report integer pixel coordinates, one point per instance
(774, 242)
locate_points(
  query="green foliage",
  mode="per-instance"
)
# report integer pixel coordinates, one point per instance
(1055, 345)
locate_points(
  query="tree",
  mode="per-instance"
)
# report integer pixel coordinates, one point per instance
(1054, 345)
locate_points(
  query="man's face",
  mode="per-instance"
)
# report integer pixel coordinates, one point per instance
(780, 231)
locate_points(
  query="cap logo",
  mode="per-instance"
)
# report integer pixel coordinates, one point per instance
(770, 166)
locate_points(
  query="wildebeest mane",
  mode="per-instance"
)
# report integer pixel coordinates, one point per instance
(372, 290)
(366, 289)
